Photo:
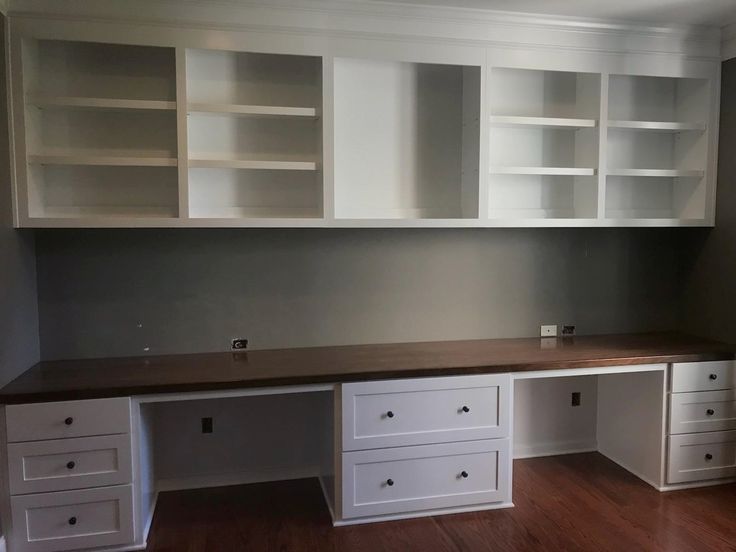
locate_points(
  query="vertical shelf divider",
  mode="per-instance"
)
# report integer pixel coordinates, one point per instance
(328, 138)
(182, 129)
(484, 168)
(603, 147)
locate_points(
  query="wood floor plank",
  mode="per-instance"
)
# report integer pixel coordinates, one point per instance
(581, 502)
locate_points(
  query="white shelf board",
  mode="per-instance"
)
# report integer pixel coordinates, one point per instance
(109, 211)
(255, 212)
(262, 164)
(550, 171)
(665, 173)
(81, 102)
(253, 110)
(103, 160)
(662, 126)
(542, 122)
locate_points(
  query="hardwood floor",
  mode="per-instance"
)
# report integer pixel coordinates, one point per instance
(574, 502)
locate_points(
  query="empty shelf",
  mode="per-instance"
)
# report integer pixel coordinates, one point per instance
(542, 122)
(109, 160)
(79, 102)
(667, 173)
(253, 110)
(263, 164)
(663, 126)
(553, 171)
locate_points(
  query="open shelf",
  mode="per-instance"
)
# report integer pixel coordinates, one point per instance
(79, 102)
(253, 110)
(543, 197)
(657, 173)
(660, 126)
(101, 160)
(81, 191)
(262, 164)
(551, 171)
(655, 197)
(407, 140)
(542, 122)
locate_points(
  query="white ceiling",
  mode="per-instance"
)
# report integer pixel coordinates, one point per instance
(698, 12)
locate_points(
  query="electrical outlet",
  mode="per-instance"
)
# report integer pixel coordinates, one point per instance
(549, 330)
(239, 343)
(575, 398)
(568, 330)
(206, 425)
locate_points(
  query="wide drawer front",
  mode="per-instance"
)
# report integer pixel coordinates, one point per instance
(703, 411)
(423, 411)
(61, 420)
(703, 376)
(702, 456)
(42, 466)
(408, 479)
(73, 520)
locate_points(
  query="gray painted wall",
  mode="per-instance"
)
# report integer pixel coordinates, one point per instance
(19, 347)
(108, 292)
(709, 289)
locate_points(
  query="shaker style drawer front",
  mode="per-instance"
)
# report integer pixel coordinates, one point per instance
(408, 479)
(42, 466)
(702, 456)
(703, 376)
(424, 411)
(61, 420)
(73, 520)
(702, 411)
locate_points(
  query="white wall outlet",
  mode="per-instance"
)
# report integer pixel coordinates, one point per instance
(549, 330)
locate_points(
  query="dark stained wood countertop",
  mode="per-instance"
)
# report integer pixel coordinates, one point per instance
(114, 377)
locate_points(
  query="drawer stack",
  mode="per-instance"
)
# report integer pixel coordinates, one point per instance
(409, 446)
(70, 475)
(702, 422)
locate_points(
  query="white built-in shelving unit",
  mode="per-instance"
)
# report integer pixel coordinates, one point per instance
(195, 130)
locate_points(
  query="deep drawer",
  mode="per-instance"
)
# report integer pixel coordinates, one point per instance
(423, 411)
(73, 520)
(61, 420)
(702, 411)
(42, 466)
(409, 479)
(702, 456)
(703, 376)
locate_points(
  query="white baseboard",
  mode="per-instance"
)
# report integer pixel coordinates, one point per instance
(553, 449)
(229, 479)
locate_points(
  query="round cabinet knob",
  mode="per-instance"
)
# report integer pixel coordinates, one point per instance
(710, 412)
(390, 482)
(389, 414)
(709, 456)
(713, 376)
(69, 421)
(72, 520)
(465, 409)
(70, 465)
(464, 474)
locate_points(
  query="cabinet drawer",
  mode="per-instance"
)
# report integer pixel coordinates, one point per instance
(60, 420)
(42, 466)
(72, 520)
(703, 411)
(702, 456)
(408, 479)
(703, 376)
(423, 411)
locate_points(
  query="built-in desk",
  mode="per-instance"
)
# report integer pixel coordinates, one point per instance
(408, 429)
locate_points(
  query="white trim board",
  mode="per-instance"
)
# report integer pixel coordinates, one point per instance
(595, 371)
(379, 20)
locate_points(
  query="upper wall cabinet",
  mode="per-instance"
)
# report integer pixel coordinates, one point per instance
(195, 130)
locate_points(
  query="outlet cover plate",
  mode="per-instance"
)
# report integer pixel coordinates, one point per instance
(549, 330)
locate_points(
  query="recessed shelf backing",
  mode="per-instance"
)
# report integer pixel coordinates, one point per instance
(402, 152)
(646, 99)
(543, 197)
(645, 197)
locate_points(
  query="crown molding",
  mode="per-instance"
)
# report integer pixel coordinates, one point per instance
(728, 42)
(385, 20)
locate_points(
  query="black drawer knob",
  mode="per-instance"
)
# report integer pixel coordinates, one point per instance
(713, 376)
(465, 409)
(710, 412)
(69, 421)
(464, 474)
(709, 456)
(72, 520)
(390, 482)
(70, 465)
(389, 414)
